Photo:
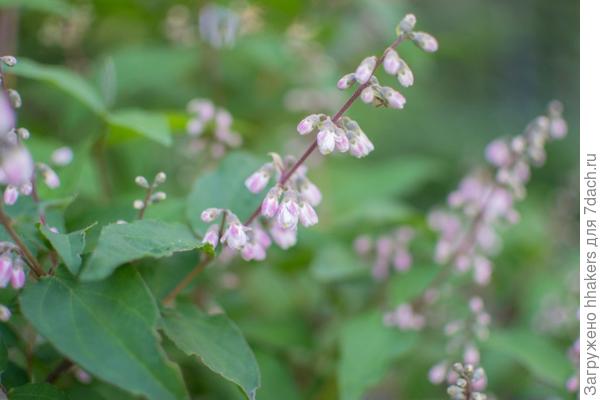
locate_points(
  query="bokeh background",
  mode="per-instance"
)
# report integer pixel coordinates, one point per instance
(499, 64)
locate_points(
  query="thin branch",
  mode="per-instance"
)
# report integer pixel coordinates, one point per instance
(64, 366)
(146, 202)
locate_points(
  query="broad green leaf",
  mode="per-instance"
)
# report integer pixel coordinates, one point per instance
(122, 243)
(277, 382)
(37, 391)
(224, 188)
(65, 80)
(217, 342)
(107, 327)
(406, 286)
(367, 350)
(534, 352)
(335, 263)
(58, 7)
(125, 124)
(68, 246)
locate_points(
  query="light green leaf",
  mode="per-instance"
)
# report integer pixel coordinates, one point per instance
(537, 354)
(122, 243)
(68, 246)
(37, 391)
(125, 124)
(335, 263)
(224, 188)
(217, 342)
(406, 286)
(57, 7)
(367, 349)
(63, 79)
(108, 328)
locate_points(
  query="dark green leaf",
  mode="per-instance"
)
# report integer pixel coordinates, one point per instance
(58, 7)
(37, 391)
(3, 355)
(277, 380)
(65, 80)
(121, 243)
(367, 349)
(218, 342)
(68, 246)
(108, 328)
(125, 124)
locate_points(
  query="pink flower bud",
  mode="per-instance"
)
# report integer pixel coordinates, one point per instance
(482, 270)
(362, 245)
(402, 260)
(365, 69)
(261, 237)
(62, 156)
(391, 62)
(346, 81)
(471, 355)
(235, 235)
(17, 167)
(253, 251)
(394, 98)
(204, 108)
(326, 140)
(476, 304)
(360, 145)
(342, 144)
(210, 214)
(426, 42)
(407, 24)
(5, 313)
(284, 238)
(498, 153)
(307, 215)
(437, 373)
(223, 119)
(367, 95)
(405, 76)
(11, 194)
(17, 280)
(257, 181)
(558, 128)
(212, 236)
(311, 193)
(7, 116)
(270, 204)
(50, 178)
(572, 384)
(288, 214)
(194, 127)
(308, 124)
(6, 267)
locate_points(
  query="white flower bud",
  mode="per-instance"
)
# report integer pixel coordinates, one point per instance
(425, 41)
(346, 81)
(406, 25)
(142, 182)
(138, 204)
(158, 196)
(23, 133)
(9, 61)
(160, 178)
(365, 69)
(15, 98)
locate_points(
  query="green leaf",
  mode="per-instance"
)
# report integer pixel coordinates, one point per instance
(218, 342)
(122, 243)
(125, 124)
(335, 263)
(68, 246)
(277, 380)
(63, 79)
(540, 356)
(224, 188)
(108, 328)
(57, 7)
(404, 287)
(367, 349)
(37, 391)
(3, 355)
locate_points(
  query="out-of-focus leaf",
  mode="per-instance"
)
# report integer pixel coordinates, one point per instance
(217, 342)
(69, 246)
(367, 349)
(107, 327)
(126, 124)
(405, 286)
(3, 355)
(58, 7)
(121, 243)
(335, 263)
(37, 391)
(277, 381)
(65, 80)
(534, 352)
(224, 188)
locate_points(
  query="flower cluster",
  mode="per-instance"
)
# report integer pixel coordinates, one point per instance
(467, 382)
(11, 266)
(467, 234)
(387, 250)
(17, 168)
(151, 197)
(211, 128)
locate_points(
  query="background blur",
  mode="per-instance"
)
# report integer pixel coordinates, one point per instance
(499, 64)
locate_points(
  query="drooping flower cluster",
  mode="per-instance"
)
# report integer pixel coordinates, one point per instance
(467, 234)
(12, 266)
(386, 251)
(17, 168)
(152, 196)
(467, 382)
(210, 128)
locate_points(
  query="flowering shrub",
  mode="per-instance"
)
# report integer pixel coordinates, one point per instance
(145, 252)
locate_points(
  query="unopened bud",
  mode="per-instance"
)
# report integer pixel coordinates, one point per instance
(346, 81)
(425, 41)
(23, 133)
(158, 196)
(138, 204)
(365, 69)
(9, 61)
(142, 182)
(406, 25)
(161, 177)
(15, 98)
